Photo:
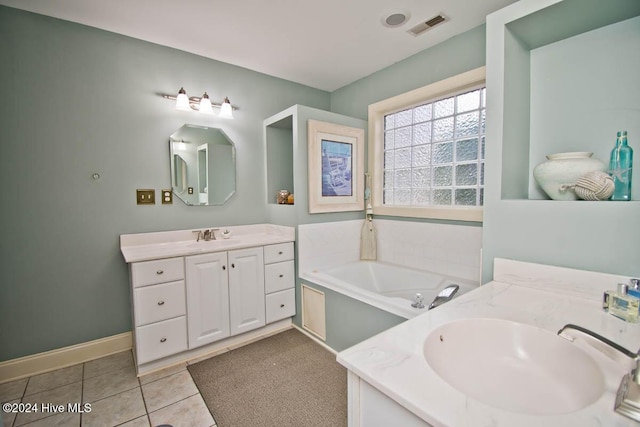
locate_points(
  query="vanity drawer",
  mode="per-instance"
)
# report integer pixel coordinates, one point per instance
(279, 276)
(161, 339)
(278, 253)
(159, 302)
(160, 271)
(280, 305)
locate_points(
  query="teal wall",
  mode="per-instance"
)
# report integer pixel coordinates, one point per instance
(77, 100)
(349, 321)
(581, 91)
(453, 56)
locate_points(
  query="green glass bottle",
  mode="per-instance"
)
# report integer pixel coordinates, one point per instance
(620, 167)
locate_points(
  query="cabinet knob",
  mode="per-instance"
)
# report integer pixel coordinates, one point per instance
(233, 265)
(163, 340)
(281, 275)
(160, 302)
(281, 305)
(224, 267)
(280, 253)
(159, 272)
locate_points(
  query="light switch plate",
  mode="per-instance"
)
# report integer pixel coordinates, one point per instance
(146, 197)
(167, 197)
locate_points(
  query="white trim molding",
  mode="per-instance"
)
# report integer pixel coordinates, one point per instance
(62, 357)
(443, 88)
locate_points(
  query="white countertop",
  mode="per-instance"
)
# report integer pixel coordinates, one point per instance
(167, 244)
(393, 361)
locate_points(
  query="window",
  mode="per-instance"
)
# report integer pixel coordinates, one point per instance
(427, 150)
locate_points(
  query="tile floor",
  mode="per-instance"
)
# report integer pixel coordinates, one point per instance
(117, 397)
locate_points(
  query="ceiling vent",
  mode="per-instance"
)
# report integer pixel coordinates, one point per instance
(428, 24)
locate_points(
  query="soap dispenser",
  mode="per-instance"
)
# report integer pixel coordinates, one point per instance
(623, 305)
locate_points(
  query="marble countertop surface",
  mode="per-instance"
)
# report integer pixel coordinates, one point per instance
(167, 244)
(394, 363)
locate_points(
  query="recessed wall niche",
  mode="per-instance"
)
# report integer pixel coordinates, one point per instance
(279, 156)
(569, 82)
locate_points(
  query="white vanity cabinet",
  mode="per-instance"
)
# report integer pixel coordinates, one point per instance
(225, 294)
(207, 298)
(159, 308)
(246, 290)
(279, 271)
(191, 299)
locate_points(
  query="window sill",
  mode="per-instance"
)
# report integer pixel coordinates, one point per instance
(454, 213)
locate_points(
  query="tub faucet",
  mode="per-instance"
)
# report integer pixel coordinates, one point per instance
(418, 301)
(445, 295)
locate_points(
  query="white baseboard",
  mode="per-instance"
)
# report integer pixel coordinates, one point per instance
(315, 338)
(35, 364)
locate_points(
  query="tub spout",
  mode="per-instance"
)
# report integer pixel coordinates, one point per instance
(445, 295)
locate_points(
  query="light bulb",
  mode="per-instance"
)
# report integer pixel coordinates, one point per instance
(226, 111)
(205, 104)
(182, 100)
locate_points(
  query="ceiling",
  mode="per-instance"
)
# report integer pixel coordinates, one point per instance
(325, 44)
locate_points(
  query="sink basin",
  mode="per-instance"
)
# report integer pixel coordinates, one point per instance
(513, 366)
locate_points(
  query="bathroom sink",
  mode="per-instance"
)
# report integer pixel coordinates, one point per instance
(513, 366)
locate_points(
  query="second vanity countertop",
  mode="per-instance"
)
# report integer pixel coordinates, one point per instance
(167, 244)
(394, 361)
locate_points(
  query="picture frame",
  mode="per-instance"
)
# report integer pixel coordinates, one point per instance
(335, 168)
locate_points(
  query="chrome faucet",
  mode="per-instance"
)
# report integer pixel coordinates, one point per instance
(628, 396)
(445, 295)
(206, 235)
(633, 356)
(418, 301)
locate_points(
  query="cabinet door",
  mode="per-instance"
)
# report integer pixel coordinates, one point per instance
(246, 290)
(207, 298)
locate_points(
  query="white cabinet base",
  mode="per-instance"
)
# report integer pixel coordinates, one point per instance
(210, 350)
(369, 407)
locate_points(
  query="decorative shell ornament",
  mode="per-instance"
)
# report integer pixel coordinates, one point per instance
(594, 186)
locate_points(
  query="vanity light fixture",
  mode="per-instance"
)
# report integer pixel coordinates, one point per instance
(182, 100)
(203, 105)
(226, 110)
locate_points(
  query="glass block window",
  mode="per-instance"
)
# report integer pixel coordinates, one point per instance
(434, 153)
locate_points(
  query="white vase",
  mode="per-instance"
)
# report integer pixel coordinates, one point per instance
(563, 169)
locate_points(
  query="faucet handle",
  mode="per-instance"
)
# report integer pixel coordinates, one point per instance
(199, 235)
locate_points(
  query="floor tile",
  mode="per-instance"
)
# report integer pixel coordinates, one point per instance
(106, 385)
(190, 412)
(13, 390)
(9, 417)
(108, 364)
(146, 379)
(138, 422)
(59, 420)
(54, 379)
(168, 390)
(115, 410)
(70, 393)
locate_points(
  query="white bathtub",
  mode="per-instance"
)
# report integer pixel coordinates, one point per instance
(389, 287)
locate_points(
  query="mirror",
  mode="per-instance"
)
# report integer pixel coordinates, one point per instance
(203, 165)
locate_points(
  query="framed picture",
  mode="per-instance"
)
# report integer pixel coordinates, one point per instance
(336, 167)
